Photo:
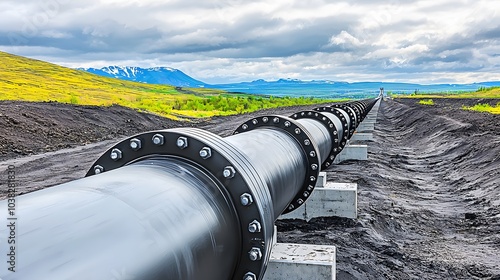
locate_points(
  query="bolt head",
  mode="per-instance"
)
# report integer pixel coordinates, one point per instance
(158, 139)
(205, 153)
(255, 254)
(135, 144)
(246, 199)
(249, 276)
(314, 166)
(98, 169)
(116, 154)
(182, 142)
(229, 172)
(276, 120)
(307, 142)
(265, 119)
(254, 226)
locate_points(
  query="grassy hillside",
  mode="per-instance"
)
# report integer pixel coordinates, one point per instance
(492, 92)
(487, 93)
(33, 80)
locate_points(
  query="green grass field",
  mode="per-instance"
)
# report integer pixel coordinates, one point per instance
(27, 79)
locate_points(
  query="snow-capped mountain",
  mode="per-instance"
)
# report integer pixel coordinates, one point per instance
(156, 75)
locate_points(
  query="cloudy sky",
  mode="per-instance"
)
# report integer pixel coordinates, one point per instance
(238, 40)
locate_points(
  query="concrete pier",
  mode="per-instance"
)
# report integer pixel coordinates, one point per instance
(361, 136)
(331, 200)
(363, 127)
(352, 152)
(301, 261)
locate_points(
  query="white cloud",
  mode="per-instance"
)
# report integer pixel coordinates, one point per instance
(344, 38)
(235, 40)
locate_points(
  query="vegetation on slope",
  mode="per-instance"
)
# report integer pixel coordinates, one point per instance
(484, 108)
(33, 80)
(426, 102)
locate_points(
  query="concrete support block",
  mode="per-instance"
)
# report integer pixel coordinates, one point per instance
(275, 235)
(321, 182)
(301, 261)
(352, 152)
(365, 127)
(360, 136)
(332, 200)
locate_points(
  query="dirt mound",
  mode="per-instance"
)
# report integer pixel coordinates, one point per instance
(31, 128)
(429, 195)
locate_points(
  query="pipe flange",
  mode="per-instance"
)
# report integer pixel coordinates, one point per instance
(352, 117)
(343, 120)
(227, 165)
(310, 149)
(358, 108)
(330, 126)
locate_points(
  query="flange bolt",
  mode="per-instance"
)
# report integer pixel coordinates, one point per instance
(255, 254)
(135, 144)
(205, 153)
(158, 139)
(246, 199)
(228, 172)
(115, 154)
(182, 142)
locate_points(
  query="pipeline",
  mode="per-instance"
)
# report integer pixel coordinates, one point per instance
(180, 203)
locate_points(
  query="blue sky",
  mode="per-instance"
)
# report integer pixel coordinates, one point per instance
(237, 40)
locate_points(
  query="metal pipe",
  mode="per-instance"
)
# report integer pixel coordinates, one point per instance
(320, 135)
(180, 203)
(278, 158)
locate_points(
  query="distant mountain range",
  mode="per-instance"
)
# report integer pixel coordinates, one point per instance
(281, 87)
(157, 75)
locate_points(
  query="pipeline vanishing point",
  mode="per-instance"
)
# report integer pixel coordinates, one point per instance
(180, 203)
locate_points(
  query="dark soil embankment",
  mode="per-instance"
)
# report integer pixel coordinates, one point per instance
(429, 195)
(28, 128)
